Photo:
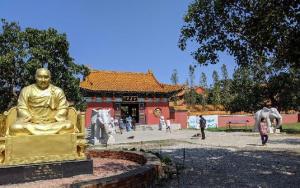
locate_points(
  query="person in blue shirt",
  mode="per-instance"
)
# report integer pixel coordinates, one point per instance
(128, 123)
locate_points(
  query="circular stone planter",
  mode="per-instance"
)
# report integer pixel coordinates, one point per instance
(143, 176)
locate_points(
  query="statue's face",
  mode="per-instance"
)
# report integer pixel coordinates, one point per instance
(42, 79)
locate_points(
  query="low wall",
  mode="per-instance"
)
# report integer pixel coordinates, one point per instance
(290, 118)
(180, 117)
(142, 177)
(223, 119)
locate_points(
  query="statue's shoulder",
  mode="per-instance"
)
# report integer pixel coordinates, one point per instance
(27, 88)
(56, 89)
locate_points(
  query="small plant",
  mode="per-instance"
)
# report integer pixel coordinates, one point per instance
(167, 160)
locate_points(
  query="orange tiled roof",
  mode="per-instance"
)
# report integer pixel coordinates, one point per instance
(125, 81)
(199, 90)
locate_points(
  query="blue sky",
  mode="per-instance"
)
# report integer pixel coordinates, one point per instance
(119, 35)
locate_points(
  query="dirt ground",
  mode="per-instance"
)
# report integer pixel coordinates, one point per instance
(223, 159)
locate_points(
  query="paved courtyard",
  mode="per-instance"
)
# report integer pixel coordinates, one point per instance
(222, 159)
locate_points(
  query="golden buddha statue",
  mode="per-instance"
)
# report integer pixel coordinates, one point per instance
(44, 121)
(42, 108)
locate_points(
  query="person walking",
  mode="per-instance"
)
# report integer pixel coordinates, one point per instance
(263, 130)
(162, 123)
(168, 125)
(128, 123)
(202, 122)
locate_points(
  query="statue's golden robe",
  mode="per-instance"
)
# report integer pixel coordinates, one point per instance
(42, 111)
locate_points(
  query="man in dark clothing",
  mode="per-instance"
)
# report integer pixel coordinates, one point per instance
(202, 122)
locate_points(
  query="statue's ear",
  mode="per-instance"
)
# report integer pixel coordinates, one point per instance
(275, 110)
(266, 109)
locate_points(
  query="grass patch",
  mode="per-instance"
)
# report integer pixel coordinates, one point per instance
(232, 129)
(291, 128)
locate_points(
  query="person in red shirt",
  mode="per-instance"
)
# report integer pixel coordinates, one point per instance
(263, 130)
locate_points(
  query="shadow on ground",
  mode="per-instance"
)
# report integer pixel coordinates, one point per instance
(292, 141)
(291, 131)
(225, 168)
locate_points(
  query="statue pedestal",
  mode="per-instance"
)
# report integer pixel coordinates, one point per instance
(34, 172)
(41, 148)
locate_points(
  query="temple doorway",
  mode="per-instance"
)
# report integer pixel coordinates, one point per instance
(131, 109)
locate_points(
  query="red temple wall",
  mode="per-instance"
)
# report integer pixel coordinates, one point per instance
(181, 118)
(150, 107)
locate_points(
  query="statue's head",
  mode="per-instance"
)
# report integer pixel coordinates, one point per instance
(42, 77)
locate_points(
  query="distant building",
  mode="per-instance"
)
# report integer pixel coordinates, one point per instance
(199, 90)
(180, 95)
(139, 95)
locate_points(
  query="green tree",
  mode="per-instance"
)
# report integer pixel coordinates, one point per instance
(241, 89)
(190, 97)
(215, 77)
(246, 29)
(283, 91)
(215, 91)
(225, 82)
(187, 82)
(262, 35)
(192, 75)
(203, 80)
(174, 77)
(247, 95)
(224, 72)
(174, 80)
(202, 99)
(23, 51)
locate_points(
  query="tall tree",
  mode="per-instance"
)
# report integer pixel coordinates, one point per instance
(203, 80)
(187, 82)
(246, 96)
(190, 96)
(225, 82)
(174, 80)
(261, 34)
(215, 77)
(215, 92)
(192, 75)
(23, 51)
(224, 72)
(174, 77)
(246, 29)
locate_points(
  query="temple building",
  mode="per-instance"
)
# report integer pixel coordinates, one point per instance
(139, 95)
